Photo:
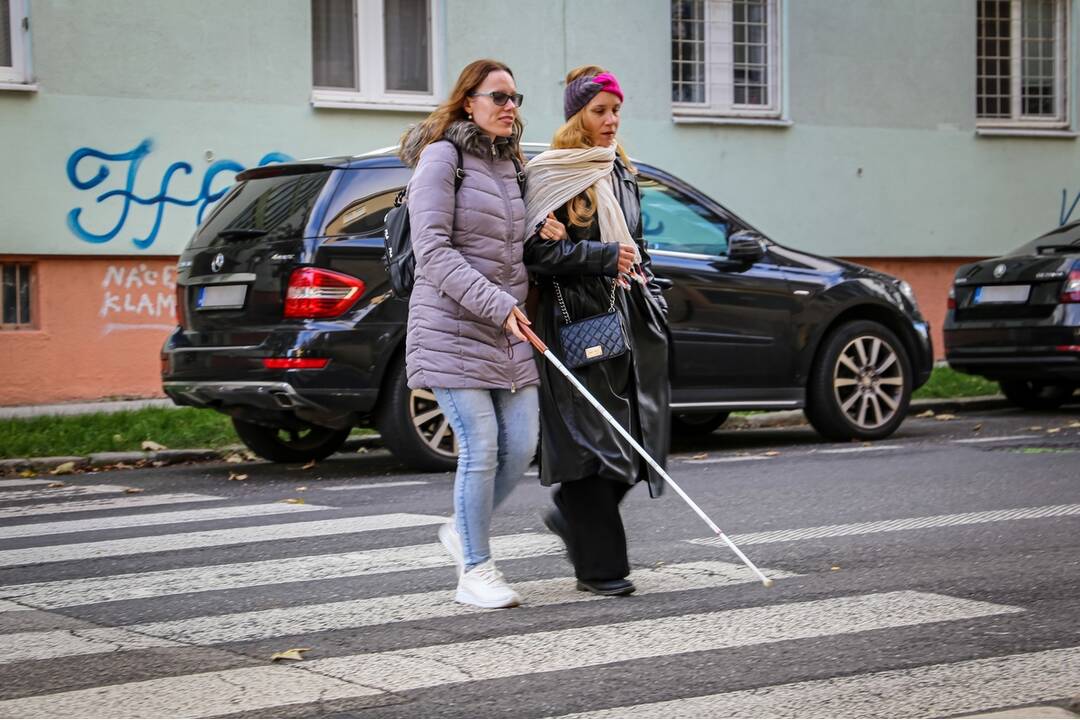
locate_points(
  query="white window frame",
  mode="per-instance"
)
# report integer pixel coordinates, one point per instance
(17, 76)
(1016, 59)
(369, 54)
(718, 56)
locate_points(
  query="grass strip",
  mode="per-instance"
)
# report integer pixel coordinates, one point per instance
(947, 383)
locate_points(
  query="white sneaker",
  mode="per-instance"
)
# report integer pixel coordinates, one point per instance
(448, 536)
(484, 586)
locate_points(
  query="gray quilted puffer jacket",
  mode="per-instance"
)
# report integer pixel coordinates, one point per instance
(469, 267)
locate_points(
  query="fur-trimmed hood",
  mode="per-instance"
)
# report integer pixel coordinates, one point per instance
(466, 135)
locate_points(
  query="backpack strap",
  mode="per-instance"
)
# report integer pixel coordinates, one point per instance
(520, 174)
(459, 171)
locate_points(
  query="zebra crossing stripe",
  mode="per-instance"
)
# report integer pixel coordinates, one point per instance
(262, 624)
(226, 512)
(62, 492)
(257, 688)
(88, 591)
(212, 538)
(7, 606)
(22, 482)
(121, 503)
(878, 526)
(944, 690)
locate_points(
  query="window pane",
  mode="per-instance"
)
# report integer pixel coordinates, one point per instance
(673, 221)
(5, 33)
(688, 51)
(1039, 49)
(408, 46)
(24, 294)
(9, 295)
(993, 29)
(333, 43)
(750, 34)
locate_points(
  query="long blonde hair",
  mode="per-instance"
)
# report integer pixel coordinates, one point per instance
(433, 127)
(573, 134)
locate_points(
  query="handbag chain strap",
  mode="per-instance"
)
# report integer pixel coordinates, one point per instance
(562, 305)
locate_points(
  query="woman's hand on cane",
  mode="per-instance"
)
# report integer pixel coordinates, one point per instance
(517, 316)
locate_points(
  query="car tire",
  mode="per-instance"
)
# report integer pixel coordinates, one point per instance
(860, 384)
(697, 425)
(291, 446)
(413, 426)
(1036, 394)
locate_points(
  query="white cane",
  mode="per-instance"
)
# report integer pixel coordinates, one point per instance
(539, 344)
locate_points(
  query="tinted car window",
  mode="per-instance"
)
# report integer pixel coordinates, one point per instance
(365, 216)
(673, 221)
(1065, 235)
(279, 205)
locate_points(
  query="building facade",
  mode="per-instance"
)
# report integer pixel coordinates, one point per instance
(910, 135)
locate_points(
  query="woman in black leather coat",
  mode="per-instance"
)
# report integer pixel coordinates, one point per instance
(591, 464)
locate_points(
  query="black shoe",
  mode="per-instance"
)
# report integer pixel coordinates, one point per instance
(622, 586)
(553, 521)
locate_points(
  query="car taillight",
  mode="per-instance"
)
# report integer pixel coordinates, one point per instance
(1071, 292)
(952, 297)
(295, 363)
(181, 305)
(318, 293)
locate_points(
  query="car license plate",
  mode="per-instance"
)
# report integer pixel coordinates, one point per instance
(219, 297)
(1002, 294)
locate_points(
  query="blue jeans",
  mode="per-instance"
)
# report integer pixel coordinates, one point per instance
(496, 432)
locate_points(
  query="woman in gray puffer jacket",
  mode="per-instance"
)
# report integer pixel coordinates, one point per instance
(464, 340)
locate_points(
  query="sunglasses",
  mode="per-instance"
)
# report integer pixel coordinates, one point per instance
(500, 98)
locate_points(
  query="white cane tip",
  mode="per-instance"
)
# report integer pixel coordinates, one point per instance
(767, 582)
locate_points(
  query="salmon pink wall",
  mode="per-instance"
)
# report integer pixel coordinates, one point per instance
(98, 328)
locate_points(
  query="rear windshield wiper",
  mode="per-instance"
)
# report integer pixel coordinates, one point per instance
(241, 233)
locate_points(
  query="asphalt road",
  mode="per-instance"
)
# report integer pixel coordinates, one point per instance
(933, 574)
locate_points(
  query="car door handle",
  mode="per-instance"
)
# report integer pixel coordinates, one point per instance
(664, 283)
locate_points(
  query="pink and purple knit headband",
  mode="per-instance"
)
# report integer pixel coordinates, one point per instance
(580, 92)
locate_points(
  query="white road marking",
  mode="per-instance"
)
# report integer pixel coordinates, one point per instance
(728, 459)
(24, 482)
(212, 538)
(62, 492)
(373, 486)
(860, 449)
(877, 526)
(120, 503)
(943, 690)
(7, 606)
(1001, 438)
(250, 688)
(225, 512)
(88, 591)
(349, 614)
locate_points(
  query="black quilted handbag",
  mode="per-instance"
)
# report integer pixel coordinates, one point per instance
(592, 339)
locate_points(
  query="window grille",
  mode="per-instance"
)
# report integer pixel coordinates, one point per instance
(15, 296)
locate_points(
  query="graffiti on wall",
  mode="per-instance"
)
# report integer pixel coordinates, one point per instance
(138, 296)
(90, 169)
(1066, 215)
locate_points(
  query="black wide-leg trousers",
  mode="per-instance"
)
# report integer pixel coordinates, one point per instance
(593, 526)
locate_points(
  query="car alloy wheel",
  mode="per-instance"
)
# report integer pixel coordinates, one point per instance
(431, 423)
(868, 382)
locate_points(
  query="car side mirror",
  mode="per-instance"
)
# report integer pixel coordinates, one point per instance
(746, 246)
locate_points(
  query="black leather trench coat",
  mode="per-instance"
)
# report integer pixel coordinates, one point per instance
(576, 441)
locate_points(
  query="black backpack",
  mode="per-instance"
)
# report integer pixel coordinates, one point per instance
(399, 259)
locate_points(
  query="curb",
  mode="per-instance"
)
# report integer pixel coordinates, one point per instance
(159, 458)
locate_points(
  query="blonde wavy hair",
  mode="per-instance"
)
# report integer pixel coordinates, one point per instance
(573, 134)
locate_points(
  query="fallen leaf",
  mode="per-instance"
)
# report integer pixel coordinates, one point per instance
(310, 465)
(118, 438)
(294, 501)
(237, 476)
(302, 488)
(835, 567)
(1034, 427)
(977, 428)
(1073, 425)
(771, 453)
(151, 445)
(700, 456)
(248, 455)
(293, 654)
(27, 474)
(362, 450)
(57, 484)
(133, 490)
(927, 414)
(234, 458)
(63, 469)
(946, 416)
(159, 463)
(1053, 430)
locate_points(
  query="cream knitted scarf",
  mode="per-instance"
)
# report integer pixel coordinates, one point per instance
(554, 177)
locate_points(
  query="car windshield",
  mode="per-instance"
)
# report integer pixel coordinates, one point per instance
(1066, 235)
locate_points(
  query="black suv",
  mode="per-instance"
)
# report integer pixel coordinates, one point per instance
(287, 322)
(1016, 319)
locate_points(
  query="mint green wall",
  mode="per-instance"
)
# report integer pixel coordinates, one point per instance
(881, 159)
